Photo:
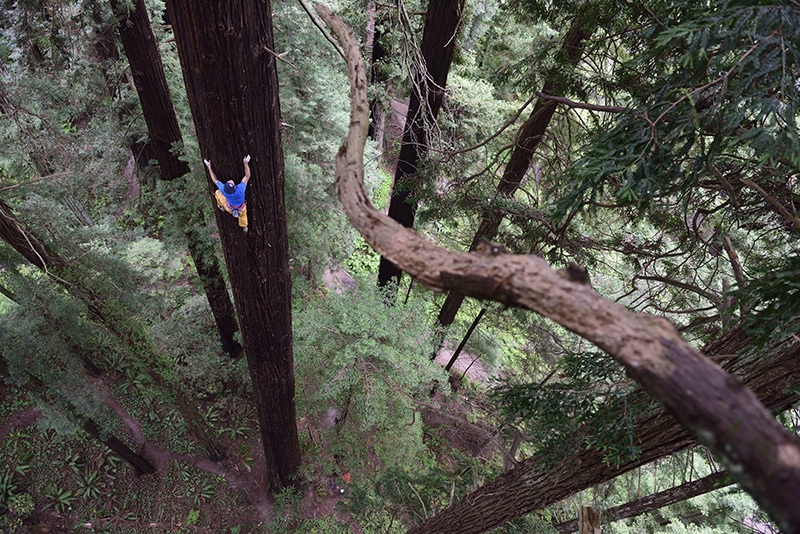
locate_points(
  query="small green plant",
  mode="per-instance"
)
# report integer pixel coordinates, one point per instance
(59, 498)
(7, 489)
(287, 515)
(18, 508)
(212, 415)
(71, 462)
(90, 487)
(192, 517)
(235, 431)
(203, 492)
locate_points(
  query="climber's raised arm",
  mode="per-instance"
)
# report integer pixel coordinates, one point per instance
(246, 162)
(210, 171)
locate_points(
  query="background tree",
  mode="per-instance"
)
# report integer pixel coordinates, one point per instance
(436, 50)
(166, 142)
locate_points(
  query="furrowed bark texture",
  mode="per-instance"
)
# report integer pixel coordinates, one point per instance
(232, 84)
(164, 132)
(713, 405)
(712, 482)
(438, 46)
(528, 139)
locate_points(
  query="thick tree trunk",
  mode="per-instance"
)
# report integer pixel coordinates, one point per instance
(141, 49)
(528, 139)
(701, 486)
(140, 465)
(718, 409)
(438, 46)
(128, 333)
(231, 79)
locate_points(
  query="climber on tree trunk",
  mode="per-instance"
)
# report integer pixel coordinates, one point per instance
(230, 196)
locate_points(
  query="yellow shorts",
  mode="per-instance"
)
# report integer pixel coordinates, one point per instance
(222, 202)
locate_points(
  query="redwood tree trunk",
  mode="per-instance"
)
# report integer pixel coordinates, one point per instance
(232, 84)
(528, 139)
(147, 70)
(141, 49)
(140, 465)
(438, 47)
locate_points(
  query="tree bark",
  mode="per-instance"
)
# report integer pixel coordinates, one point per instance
(718, 409)
(442, 21)
(379, 53)
(140, 465)
(701, 486)
(232, 84)
(528, 139)
(105, 49)
(589, 520)
(147, 69)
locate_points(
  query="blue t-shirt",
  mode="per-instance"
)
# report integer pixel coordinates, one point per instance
(236, 198)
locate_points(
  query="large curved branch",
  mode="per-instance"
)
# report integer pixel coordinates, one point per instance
(762, 456)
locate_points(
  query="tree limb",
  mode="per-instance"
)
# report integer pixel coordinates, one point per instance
(714, 481)
(713, 405)
(581, 105)
(774, 201)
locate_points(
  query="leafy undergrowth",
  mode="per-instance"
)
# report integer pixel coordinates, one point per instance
(50, 483)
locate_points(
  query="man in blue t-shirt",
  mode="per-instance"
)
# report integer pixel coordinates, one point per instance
(230, 196)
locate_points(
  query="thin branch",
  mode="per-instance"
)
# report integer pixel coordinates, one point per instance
(278, 57)
(508, 123)
(772, 200)
(683, 285)
(424, 510)
(33, 181)
(581, 105)
(321, 28)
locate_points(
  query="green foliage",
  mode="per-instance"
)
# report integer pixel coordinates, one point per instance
(707, 514)
(367, 361)
(590, 404)
(7, 489)
(192, 517)
(774, 300)
(724, 94)
(149, 256)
